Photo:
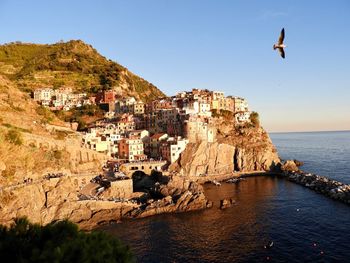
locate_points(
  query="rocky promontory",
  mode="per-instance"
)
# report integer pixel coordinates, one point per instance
(236, 149)
(179, 195)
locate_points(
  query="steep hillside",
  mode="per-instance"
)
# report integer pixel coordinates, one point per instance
(74, 64)
(33, 141)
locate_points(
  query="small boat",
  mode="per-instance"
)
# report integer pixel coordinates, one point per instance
(216, 183)
(269, 245)
(233, 180)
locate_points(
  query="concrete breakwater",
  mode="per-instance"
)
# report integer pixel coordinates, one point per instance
(320, 184)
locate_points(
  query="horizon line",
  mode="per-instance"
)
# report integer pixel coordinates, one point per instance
(308, 131)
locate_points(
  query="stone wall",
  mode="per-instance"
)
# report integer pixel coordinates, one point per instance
(120, 188)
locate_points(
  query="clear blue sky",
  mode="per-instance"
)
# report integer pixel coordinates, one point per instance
(218, 45)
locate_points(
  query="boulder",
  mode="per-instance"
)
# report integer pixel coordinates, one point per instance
(289, 166)
(226, 203)
(209, 204)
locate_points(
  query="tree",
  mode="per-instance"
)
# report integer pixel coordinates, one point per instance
(81, 124)
(14, 136)
(254, 119)
(60, 241)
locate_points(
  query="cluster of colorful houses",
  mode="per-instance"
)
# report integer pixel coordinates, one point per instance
(160, 130)
(137, 131)
(61, 99)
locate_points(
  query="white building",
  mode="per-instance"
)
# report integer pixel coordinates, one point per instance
(171, 149)
(242, 116)
(241, 104)
(216, 95)
(204, 108)
(177, 148)
(43, 94)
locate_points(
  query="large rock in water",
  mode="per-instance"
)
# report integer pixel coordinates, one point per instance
(289, 166)
(226, 203)
(246, 151)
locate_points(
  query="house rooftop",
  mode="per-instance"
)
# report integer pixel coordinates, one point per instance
(157, 135)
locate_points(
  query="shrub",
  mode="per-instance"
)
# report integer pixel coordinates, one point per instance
(254, 118)
(226, 114)
(47, 114)
(57, 154)
(61, 135)
(14, 137)
(81, 124)
(60, 241)
(215, 113)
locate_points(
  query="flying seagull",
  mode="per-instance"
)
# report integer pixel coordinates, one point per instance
(280, 44)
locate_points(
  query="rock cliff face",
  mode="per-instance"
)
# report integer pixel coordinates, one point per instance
(244, 149)
(56, 199)
(179, 195)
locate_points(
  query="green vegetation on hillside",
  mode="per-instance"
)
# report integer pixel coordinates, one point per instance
(73, 64)
(14, 136)
(254, 119)
(82, 115)
(58, 242)
(226, 114)
(45, 113)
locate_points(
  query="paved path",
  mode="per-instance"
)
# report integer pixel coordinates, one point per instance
(222, 177)
(41, 180)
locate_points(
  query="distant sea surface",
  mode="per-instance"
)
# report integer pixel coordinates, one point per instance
(323, 153)
(303, 225)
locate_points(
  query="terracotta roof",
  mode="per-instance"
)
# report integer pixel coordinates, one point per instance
(157, 135)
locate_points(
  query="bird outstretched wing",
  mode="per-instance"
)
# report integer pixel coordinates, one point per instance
(280, 40)
(281, 50)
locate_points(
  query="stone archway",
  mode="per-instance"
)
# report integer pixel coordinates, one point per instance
(140, 181)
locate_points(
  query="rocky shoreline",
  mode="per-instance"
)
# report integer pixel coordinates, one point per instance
(331, 188)
(320, 184)
(56, 199)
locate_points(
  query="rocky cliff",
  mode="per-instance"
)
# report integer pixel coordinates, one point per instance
(57, 199)
(237, 148)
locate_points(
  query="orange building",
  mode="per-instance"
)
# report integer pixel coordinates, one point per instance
(131, 149)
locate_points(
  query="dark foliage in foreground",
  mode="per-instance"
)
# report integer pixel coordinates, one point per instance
(58, 242)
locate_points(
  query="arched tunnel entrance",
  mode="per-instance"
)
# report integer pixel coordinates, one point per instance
(150, 184)
(137, 179)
